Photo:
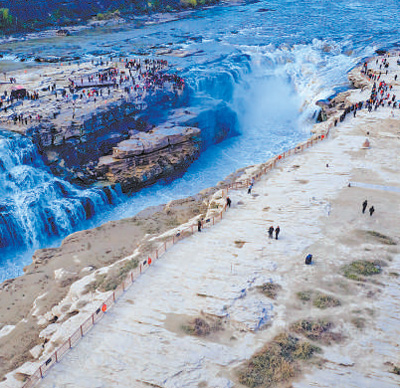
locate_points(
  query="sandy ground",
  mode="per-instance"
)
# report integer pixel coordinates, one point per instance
(141, 343)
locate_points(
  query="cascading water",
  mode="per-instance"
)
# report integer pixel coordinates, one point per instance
(35, 206)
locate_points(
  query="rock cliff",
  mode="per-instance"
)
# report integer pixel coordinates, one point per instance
(146, 157)
(106, 146)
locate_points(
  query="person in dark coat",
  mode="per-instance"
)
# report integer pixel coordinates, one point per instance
(228, 202)
(277, 230)
(270, 232)
(199, 225)
(308, 259)
(364, 206)
(371, 210)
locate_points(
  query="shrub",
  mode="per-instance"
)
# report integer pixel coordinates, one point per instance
(323, 301)
(319, 330)
(201, 327)
(396, 370)
(305, 295)
(360, 268)
(270, 290)
(277, 362)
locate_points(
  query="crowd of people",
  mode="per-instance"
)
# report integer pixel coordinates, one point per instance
(381, 93)
(136, 79)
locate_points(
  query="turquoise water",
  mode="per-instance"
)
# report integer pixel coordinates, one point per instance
(265, 63)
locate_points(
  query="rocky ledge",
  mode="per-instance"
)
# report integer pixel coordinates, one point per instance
(149, 156)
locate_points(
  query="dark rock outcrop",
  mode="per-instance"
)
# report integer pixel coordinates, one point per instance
(149, 156)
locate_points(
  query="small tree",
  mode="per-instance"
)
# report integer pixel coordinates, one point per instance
(5, 18)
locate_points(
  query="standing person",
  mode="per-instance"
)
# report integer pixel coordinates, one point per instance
(249, 189)
(228, 202)
(199, 225)
(277, 230)
(270, 232)
(364, 206)
(308, 260)
(371, 210)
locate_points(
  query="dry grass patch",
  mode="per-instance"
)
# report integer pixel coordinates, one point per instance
(203, 326)
(323, 301)
(111, 280)
(277, 362)
(319, 331)
(239, 243)
(358, 322)
(305, 296)
(359, 269)
(381, 237)
(270, 290)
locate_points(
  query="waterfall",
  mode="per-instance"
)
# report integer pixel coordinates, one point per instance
(35, 206)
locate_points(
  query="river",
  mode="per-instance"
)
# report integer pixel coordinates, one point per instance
(266, 62)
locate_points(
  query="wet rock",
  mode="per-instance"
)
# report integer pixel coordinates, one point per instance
(63, 32)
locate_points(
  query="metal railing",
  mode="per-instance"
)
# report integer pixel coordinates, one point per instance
(145, 264)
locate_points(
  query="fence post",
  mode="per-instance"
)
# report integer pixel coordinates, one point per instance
(69, 342)
(40, 370)
(165, 246)
(173, 240)
(80, 327)
(192, 228)
(114, 296)
(156, 253)
(56, 356)
(132, 277)
(93, 319)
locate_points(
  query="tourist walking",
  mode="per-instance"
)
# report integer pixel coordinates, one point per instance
(228, 202)
(270, 232)
(364, 206)
(249, 189)
(199, 225)
(371, 210)
(277, 231)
